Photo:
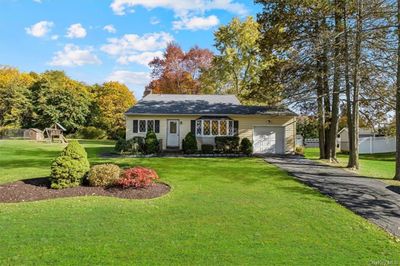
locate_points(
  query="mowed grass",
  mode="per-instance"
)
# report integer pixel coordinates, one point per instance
(220, 211)
(381, 165)
(28, 159)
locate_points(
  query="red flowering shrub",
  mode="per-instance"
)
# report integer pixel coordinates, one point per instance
(137, 177)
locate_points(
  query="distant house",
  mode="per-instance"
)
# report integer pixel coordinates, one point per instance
(172, 116)
(343, 137)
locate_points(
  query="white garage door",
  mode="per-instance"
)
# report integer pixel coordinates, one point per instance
(268, 139)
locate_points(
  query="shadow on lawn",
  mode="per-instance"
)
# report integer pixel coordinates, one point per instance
(338, 170)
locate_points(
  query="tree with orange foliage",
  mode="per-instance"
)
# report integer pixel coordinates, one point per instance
(179, 72)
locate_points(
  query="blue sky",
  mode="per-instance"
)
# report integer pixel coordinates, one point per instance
(98, 40)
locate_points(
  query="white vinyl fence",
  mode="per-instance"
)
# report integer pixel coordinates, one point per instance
(369, 145)
(311, 143)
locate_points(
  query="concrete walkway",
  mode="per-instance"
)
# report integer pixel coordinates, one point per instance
(370, 198)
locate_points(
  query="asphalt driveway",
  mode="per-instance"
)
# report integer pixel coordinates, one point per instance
(370, 198)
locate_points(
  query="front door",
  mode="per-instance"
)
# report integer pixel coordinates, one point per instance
(173, 133)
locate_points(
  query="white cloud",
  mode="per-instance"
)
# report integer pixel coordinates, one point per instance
(72, 55)
(40, 29)
(180, 7)
(135, 48)
(135, 80)
(76, 31)
(196, 23)
(141, 58)
(110, 28)
(54, 37)
(154, 21)
(132, 42)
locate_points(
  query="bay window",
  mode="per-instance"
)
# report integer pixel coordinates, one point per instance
(212, 127)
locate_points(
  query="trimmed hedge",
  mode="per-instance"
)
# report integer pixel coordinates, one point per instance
(228, 144)
(103, 175)
(207, 148)
(189, 143)
(246, 146)
(70, 167)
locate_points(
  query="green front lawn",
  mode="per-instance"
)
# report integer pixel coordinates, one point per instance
(220, 211)
(380, 165)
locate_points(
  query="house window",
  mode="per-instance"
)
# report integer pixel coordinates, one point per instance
(206, 127)
(150, 125)
(144, 126)
(198, 127)
(222, 127)
(214, 127)
(231, 130)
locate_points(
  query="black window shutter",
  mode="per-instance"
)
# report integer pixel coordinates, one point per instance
(135, 126)
(193, 126)
(156, 126)
(236, 128)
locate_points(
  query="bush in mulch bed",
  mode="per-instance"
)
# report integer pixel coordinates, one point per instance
(137, 177)
(39, 189)
(246, 147)
(103, 175)
(189, 144)
(70, 167)
(104, 180)
(207, 149)
(151, 143)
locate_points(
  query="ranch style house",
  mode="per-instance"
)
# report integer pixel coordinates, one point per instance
(171, 116)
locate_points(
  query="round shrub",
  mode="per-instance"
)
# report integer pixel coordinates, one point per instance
(70, 167)
(137, 177)
(246, 147)
(151, 143)
(91, 133)
(121, 145)
(103, 175)
(189, 143)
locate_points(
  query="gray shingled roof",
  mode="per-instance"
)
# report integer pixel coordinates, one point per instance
(201, 105)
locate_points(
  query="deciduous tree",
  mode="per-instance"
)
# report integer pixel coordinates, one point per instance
(111, 101)
(179, 72)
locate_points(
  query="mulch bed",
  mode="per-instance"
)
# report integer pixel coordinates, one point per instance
(38, 189)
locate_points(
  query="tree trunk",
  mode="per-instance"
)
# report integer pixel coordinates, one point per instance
(397, 175)
(353, 159)
(321, 111)
(336, 81)
(327, 103)
(347, 81)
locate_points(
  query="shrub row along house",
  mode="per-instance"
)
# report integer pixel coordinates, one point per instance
(172, 116)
